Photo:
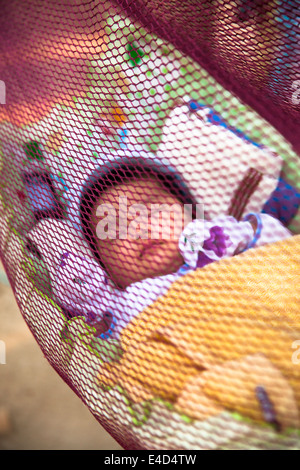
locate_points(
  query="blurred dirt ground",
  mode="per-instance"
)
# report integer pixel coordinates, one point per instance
(38, 411)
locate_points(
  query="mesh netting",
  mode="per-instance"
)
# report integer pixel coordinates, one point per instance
(149, 211)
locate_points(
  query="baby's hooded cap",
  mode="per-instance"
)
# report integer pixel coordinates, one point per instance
(120, 170)
(225, 170)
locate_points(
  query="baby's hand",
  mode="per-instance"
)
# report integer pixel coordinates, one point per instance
(203, 242)
(217, 242)
(191, 241)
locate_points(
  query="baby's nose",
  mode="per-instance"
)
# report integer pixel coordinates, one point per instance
(139, 227)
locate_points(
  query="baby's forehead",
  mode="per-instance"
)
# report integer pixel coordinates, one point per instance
(134, 189)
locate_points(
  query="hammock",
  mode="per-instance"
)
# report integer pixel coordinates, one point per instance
(178, 328)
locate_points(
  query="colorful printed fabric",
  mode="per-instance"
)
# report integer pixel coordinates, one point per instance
(284, 203)
(206, 356)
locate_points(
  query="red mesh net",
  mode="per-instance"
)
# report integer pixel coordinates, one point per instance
(150, 192)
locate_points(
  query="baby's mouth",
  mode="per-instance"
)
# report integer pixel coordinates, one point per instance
(150, 246)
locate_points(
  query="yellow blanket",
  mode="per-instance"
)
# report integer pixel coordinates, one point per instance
(224, 337)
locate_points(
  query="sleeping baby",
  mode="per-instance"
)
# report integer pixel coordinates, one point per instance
(160, 235)
(138, 222)
(141, 230)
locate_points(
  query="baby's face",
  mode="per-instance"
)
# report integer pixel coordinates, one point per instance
(137, 237)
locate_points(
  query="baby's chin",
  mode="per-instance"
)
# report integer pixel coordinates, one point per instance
(155, 261)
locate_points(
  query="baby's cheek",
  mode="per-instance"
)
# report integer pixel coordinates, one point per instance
(121, 263)
(172, 257)
(168, 227)
(166, 259)
(125, 266)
